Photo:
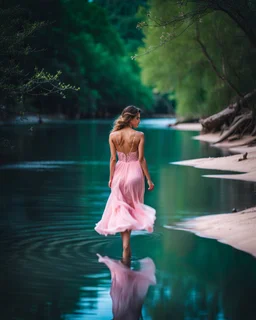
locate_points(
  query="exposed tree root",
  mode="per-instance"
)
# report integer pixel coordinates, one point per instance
(254, 131)
(236, 126)
(216, 121)
(234, 137)
(252, 143)
(237, 118)
(229, 116)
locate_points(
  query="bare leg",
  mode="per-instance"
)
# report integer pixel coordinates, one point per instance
(126, 244)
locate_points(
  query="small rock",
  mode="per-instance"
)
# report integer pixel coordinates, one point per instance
(234, 210)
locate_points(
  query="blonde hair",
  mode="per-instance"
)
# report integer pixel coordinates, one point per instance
(124, 119)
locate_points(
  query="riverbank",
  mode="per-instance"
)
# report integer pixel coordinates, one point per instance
(246, 168)
(187, 126)
(235, 229)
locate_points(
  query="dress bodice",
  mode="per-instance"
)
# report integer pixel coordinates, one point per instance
(131, 156)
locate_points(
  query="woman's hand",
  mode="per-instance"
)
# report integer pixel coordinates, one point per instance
(150, 185)
(110, 183)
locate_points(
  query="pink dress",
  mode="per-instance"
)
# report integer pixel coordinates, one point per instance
(125, 208)
(129, 287)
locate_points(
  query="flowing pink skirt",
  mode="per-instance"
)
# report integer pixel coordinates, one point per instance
(125, 208)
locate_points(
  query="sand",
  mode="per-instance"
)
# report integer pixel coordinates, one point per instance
(188, 127)
(229, 163)
(213, 137)
(235, 229)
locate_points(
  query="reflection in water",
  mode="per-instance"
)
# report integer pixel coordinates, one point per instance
(129, 287)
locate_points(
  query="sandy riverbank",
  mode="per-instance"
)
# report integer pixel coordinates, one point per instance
(236, 229)
(188, 127)
(228, 163)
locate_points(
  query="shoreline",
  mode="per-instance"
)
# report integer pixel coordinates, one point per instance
(246, 169)
(235, 229)
(34, 118)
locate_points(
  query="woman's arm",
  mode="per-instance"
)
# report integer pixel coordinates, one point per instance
(112, 161)
(143, 162)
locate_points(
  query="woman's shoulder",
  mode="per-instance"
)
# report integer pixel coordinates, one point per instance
(117, 134)
(113, 134)
(139, 134)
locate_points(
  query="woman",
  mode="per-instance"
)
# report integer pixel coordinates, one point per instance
(125, 209)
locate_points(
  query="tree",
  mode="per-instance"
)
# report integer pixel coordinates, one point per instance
(206, 72)
(99, 59)
(76, 40)
(242, 12)
(123, 15)
(15, 82)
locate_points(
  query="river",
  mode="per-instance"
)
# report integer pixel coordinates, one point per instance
(53, 191)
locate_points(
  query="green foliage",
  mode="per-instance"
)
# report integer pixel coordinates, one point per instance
(100, 62)
(44, 83)
(172, 58)
(96, 74)
(123, 15)
(16, 82)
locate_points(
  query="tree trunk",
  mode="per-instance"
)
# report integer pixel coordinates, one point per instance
(213, 65)
(233, 128)
(215, 122)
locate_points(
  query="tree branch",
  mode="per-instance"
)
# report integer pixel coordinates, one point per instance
(214, 67)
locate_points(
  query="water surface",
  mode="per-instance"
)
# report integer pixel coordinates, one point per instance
(53, 191)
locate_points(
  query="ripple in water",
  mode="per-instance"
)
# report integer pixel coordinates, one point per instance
(56, 244)
(39, 165)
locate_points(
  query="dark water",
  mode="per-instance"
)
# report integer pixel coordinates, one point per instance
(53, 191)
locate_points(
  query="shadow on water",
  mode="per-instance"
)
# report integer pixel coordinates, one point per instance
(53, 191)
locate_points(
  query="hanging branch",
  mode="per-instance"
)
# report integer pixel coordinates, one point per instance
(15, 31)
(241, 12)
(214, 67)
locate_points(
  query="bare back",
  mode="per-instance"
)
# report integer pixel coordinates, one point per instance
(126, 140)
